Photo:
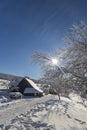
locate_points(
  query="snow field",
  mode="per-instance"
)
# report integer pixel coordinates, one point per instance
(50, 114)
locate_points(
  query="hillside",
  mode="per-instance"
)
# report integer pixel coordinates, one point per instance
(9, 77)
(5, 79)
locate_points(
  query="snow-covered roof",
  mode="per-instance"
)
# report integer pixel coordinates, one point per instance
(34, 85)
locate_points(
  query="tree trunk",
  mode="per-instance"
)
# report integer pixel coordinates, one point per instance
(58, 96)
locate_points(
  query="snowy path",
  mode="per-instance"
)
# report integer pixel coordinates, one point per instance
(19, 107)
(44, 113)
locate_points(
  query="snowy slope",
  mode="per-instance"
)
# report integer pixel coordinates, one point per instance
(44, 113)
(10, 110)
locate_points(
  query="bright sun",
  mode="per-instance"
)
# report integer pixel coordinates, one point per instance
(54, 61)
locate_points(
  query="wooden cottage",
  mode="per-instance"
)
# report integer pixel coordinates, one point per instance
(29, 88)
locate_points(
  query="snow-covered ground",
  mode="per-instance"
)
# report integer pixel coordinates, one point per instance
(4, 84)
(44, 113)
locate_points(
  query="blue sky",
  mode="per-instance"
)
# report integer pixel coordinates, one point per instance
(27, 26)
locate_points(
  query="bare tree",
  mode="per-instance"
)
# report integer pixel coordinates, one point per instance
(76, 62)
(72, 67)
